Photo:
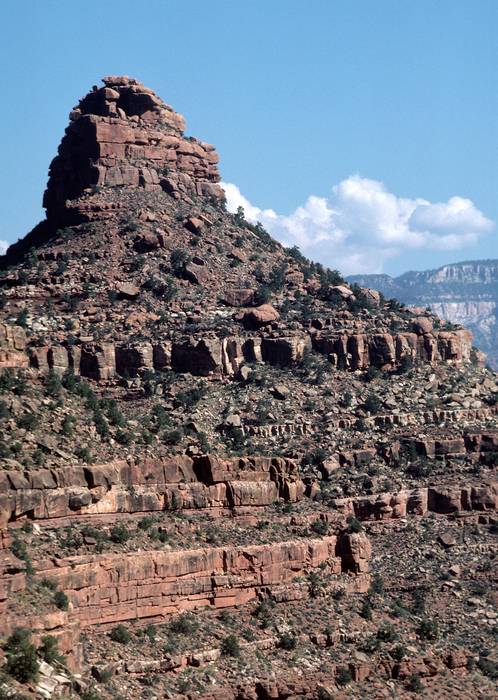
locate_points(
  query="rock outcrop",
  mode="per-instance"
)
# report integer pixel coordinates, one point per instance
(124, 135)
(154, 485)
(385, 351)
(465, 293)
(443, 499)
(108, 589)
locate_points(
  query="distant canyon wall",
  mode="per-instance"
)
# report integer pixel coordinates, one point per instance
(464, 293)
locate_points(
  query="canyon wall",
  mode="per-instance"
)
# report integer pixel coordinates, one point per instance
(465, 293)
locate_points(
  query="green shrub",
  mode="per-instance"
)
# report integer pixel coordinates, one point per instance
(346, 400)
(377, 584)
(277, 277)
(488, 667)
(69, 380)
(398, 652)
(419, 596)
(120, 533)
(262, 295)
(372, 404)
(178, 259)
(203, 442)
(17, 640)
(48, 583)
(53, 385)
(172, 437)
(398, 609)
(22, 318)
(146, 522)
(230, 646)
(21, 663)
(84, 454)
(287, 641)
(315, 584)
(263, 613)
(61, 600)
(158, 535)
(314, 457)
(120, 634)
(190, 397)
(67, 426)
(28, 421)
(151, 633)
(226, 618)
(169, 290)
(100, 423)
(371, 644)
(406, 364)
(49, 650)
(20, 550)
(422, 468)
(38, 457)
(366, 609)
(372, 373)
(114, 414)
(184, 624)
(239, 216)
(387, 633)
(161, 417)
(354, 525)
(343, 675)
(428, 629)
(90, 694)
(321, 527)
(124, 437)
(234, 437)
(414, 684)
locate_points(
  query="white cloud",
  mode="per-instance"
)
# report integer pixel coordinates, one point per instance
(3, 246)
(361, 224)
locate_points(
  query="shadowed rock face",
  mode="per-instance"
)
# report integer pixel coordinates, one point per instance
(123, 135)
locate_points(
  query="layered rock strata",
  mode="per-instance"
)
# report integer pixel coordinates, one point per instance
(225, 356)
(110, 588)
(386, 351)
(444, 499)
(124, 135)
(153, 485)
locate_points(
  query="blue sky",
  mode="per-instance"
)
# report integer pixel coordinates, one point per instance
(364, 131)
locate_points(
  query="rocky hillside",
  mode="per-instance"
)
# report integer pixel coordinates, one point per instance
(226, 473)
(464, 293)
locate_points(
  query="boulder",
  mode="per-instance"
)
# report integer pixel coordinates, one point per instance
(260, 316)
(342, 291)
(194, 225)
(422, 325)
(196, 273)
(126, 290)
(281, 391)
